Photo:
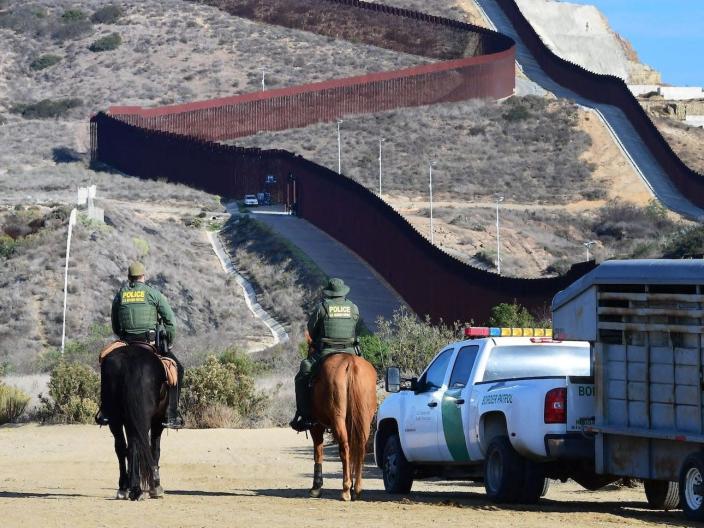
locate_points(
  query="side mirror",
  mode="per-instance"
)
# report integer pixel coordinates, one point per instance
(393, 379)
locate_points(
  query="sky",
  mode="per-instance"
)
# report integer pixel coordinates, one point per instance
(667, 34)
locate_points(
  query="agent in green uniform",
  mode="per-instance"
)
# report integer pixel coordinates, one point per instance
(333, 328)
(137, 310)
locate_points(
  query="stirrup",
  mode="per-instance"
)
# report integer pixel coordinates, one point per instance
(101, 419)
(174, 423)
(300, 424)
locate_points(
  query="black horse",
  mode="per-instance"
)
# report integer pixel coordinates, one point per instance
(134, 397)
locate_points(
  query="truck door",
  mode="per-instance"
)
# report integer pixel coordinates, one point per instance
(455, 403)
(422, 414)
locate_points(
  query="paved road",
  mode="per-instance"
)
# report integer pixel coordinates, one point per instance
(371, 293)
(653, 174)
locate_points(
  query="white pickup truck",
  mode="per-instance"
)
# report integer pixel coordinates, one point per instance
(506, 410)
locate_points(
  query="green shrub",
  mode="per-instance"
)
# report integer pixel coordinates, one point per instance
(74, 393)
(685, 243)
(410, 343)
(73, 15)
(46, 108)
(141, 245)
(8, 246)
(107, 15)
(108, 43)
(510, 315)
(44, 61)
(83, 352)
(516, 113)
(221, 392)
(488, 258)
(13, 402)
(375, 350)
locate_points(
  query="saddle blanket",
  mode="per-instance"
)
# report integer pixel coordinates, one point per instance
(169, 364)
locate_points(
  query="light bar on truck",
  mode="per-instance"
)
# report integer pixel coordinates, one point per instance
(472, 332)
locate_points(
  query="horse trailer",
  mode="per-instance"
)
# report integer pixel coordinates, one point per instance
(644, 320)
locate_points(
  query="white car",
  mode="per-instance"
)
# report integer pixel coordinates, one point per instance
(250, 199)
(506, 410)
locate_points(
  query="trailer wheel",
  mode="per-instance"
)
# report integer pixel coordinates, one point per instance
(503, 471)
(692, 487)
(662, 495)
(396, 469)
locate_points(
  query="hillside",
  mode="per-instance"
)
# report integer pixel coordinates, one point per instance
(560, 174)
(581, 34)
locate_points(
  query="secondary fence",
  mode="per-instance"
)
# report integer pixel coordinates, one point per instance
(610, 90)
(430, 281)
(489, 75)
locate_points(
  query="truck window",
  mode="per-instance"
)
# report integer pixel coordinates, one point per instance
(514, 362)
(435, 375)
(463, 366)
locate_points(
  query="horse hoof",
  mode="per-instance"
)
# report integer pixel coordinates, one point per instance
(156, 493)
(346, 496)
(122, 495)
(356, 495)
(137, 495)
(315, 493)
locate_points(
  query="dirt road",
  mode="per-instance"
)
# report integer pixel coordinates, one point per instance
(65, 476)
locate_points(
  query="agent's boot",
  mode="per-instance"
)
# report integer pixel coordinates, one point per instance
(101, 419)
(173, 418)
(300, 424)
(302, 421)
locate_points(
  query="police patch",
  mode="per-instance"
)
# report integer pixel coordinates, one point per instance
(129, 297)
(343, 312)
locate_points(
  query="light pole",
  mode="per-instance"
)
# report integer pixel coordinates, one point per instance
(339, 148)
(499, 199)
(588, 245)
(381, 140)
(263, 84)
(430, 188)
(71, 223)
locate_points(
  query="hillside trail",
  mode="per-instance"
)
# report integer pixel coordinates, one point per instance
(65, 476)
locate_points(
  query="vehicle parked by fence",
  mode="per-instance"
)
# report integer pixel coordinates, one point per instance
(645, 319)
(506, 406)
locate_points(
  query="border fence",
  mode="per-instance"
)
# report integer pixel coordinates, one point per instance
(177, 143)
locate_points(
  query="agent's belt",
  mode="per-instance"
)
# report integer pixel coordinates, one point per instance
(337, 343)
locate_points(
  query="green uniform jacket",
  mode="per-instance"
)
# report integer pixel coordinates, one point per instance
(136, 309)
(334, 325)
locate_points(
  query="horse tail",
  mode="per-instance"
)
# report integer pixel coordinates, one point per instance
(137, 425)
(357, 426)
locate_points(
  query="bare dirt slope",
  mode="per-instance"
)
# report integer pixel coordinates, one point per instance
(65, 476)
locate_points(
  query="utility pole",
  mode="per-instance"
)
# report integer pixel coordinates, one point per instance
(499, 199)
(339, 148)
(381, 140)
(430, 187)
(263, 84)
(587, 245)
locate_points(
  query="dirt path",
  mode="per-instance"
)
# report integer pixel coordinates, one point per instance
(65, 476)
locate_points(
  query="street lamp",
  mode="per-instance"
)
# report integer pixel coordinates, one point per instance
(430, 187)
(588, 245)
(499, 199)
(339, 148)
(263, 84)
(381, 140)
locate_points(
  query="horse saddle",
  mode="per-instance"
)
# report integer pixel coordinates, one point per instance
(169, 364)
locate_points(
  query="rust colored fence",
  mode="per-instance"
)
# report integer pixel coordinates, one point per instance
(430, 281)
(490, 75)
(610, 90)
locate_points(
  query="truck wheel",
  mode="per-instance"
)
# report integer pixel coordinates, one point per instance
(503, 471)
(535, 485)
(396, 469)
(692, 487)
(662, 495)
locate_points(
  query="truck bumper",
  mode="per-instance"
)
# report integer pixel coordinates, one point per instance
(570, 446)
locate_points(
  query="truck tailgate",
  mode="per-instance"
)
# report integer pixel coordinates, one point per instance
(580, 403)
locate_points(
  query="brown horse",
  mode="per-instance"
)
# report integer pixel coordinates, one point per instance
(344, 401)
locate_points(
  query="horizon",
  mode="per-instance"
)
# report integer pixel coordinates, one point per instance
(655, 30)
